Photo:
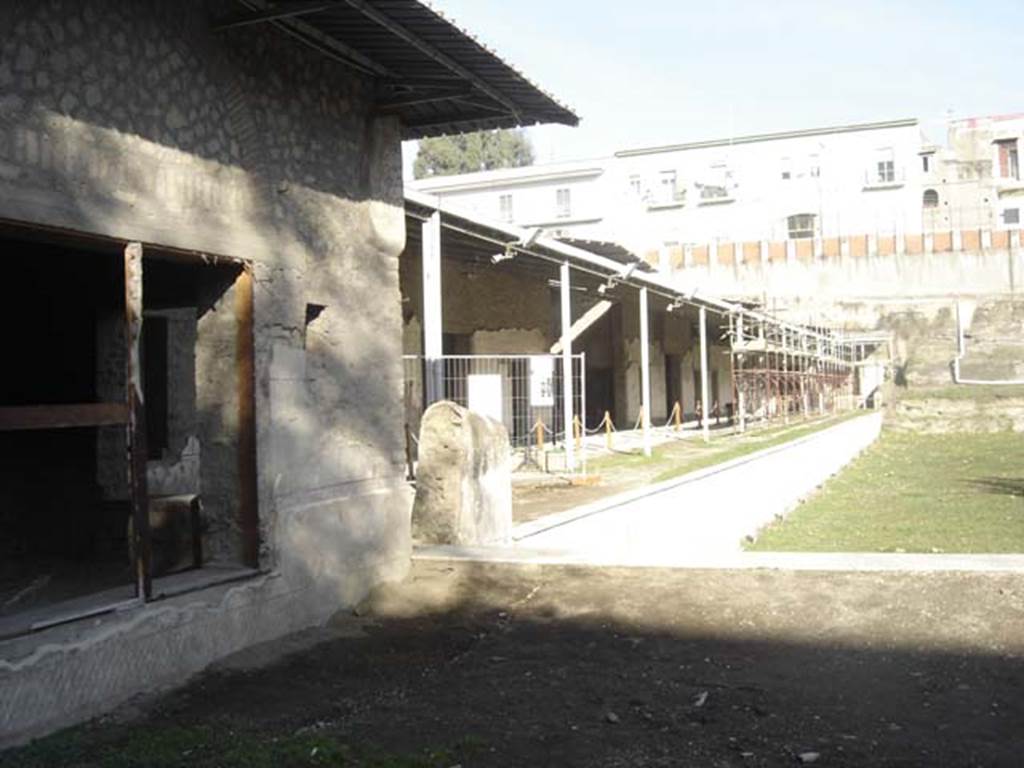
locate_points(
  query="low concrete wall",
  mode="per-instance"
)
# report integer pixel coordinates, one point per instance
(705, 512)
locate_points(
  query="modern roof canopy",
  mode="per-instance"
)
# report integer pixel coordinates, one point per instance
(525, 242)
(436, 77)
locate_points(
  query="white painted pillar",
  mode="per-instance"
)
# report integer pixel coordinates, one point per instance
(567, 381)
(740, 399)
(433, 329)
(705, 403)
(645, 374)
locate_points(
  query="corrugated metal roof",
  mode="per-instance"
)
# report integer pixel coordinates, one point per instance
(419, 204)
(436, 77)
(610, 250)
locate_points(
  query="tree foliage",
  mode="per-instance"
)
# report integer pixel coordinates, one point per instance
(469, 152)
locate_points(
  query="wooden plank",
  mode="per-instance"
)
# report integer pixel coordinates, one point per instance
(136, 427)
(245, 362)
(65, 416)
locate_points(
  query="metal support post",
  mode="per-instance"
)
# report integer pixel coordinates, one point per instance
(705, 411)
(433, 328)
(645, 374)
(567, 414)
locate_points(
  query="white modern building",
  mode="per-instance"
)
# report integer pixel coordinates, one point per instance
(825, 182)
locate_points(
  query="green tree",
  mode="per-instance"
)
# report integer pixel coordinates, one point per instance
(469, 152)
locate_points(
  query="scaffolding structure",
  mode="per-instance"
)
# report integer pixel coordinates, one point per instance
(781, 370)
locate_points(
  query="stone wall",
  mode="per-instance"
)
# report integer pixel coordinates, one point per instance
(131, 119)
(498, 309)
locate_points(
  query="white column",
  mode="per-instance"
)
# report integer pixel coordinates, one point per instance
(645, 374)
(705, 406)
(433, 333)
(570, 444)
(740, 400)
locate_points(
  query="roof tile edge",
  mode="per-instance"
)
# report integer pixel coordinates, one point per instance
(752, 138)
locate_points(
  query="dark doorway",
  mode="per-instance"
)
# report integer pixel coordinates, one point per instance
(673, 383)
(67, 484)
(600, 395)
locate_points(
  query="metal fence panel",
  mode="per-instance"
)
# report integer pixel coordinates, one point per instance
(523, 392)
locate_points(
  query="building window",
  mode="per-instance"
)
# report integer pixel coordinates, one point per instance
(787, 169)
(1009, 163)
(505, 208)
(930, 199)
(563, 203)
(714, 192)
(636, 187)
(814, 166)
(801, 226)
(926, 163)
(886, 171)
(1011, 216)
(668, 187)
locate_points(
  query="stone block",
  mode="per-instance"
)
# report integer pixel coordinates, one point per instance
(464, 481)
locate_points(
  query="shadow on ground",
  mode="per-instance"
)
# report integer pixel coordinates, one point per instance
(521, 666)
(1000, 486)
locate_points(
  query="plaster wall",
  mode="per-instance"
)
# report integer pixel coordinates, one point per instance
(135, 121)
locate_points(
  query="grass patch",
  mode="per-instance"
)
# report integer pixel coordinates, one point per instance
(218, 747)
(670, 460)
(915, 493)
(759, 442)
(980, 393)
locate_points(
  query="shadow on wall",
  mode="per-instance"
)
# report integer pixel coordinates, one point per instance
(136, 121)
(570, 666)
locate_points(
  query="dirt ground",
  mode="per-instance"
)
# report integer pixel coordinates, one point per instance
(477, 665)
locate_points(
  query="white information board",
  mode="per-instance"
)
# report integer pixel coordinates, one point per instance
(542, 380)
(484, 394)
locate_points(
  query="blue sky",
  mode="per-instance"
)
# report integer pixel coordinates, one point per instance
(641, 73)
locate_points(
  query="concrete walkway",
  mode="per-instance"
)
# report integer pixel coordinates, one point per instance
(705, 512)
(700, 519)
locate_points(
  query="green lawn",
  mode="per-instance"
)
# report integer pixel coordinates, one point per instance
(977, 393)
(217, 747)
(673, 459)
(751, 443)
(915, 493)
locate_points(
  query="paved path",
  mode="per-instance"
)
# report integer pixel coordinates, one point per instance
(698, 521)
(703, 513)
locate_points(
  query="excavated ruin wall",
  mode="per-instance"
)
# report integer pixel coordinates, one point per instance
(133, 119)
